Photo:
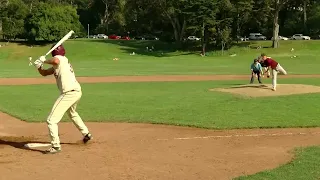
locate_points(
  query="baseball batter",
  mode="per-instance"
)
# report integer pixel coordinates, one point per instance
(275, 67)
(70, 94)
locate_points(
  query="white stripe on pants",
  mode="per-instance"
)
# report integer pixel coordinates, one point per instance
(275, 73)
(66, 102)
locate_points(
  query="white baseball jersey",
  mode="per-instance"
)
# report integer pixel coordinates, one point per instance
(65, 77)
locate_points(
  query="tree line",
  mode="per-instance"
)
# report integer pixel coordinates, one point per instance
(216, 22)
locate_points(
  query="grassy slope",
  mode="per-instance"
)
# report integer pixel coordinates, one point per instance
(182, 103)
(305, 166)
(94, 58)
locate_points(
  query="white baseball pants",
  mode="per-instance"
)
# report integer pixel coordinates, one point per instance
(66, 102)
(275, 72)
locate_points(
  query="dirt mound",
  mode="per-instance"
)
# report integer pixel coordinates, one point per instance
(253, 90)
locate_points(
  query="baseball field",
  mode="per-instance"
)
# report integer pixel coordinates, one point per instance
(164, 114)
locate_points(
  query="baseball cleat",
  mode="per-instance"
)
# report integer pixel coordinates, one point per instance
(273, 89)
(87, 138)
(53, 150)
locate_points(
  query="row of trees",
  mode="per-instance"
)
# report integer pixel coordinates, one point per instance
(217, 21)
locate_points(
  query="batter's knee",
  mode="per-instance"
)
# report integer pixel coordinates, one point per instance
(49, 121)
(72, 114)
(53, 119)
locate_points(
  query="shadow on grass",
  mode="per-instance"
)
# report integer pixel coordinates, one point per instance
(251, 45)
(27, 43)
(148, 47)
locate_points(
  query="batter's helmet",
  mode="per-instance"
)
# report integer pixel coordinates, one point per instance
(58, 51)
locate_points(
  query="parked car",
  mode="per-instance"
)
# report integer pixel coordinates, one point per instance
(146, 37)
(151, 37)
(139, 38)
(300, 37)
(281, 38)
(193, 38)
(93, 36)
(257, 36)
(242, 38)
(102, 36)
(125, 37)
(113, 36)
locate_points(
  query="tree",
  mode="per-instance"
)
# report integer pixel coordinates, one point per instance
(277, 6)
(261, 17)
(174, 11)
(224, 19)
(13, 19)
(225, 37)
(3, 6)
(313, 19)
(242, 12)
(110, 13)
(51, 22)
(202, 16)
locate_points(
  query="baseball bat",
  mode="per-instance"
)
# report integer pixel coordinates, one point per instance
(67, 36)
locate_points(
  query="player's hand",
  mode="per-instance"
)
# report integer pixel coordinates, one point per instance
(38, 63)
(42, 58)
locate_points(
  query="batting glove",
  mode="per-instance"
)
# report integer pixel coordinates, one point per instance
(38, 63)
(42, 58)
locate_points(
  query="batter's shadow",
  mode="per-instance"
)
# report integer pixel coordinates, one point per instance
(21, 145)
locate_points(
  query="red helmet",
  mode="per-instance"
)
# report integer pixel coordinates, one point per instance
(58, 51)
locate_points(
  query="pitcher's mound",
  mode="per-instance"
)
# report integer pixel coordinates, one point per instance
(253, 90)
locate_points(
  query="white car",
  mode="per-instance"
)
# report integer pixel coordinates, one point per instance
(242, 38)
(193, 38)
(281, 38)
(102, 36)
(257, 36)
(300, 37)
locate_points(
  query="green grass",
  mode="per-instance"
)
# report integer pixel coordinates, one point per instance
(305, 166)
(94, 58)
(177, 103)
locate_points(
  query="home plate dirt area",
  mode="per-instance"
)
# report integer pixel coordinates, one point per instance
(145, 151)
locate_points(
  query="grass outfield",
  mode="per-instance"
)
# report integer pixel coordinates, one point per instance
(177, 103)
(305, 166)
(95, 58)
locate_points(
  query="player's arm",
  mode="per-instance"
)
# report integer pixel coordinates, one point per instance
(46, 72)
(251, 68)
(52, 61)
(260, 68)
(269, 67)
(252, 71)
